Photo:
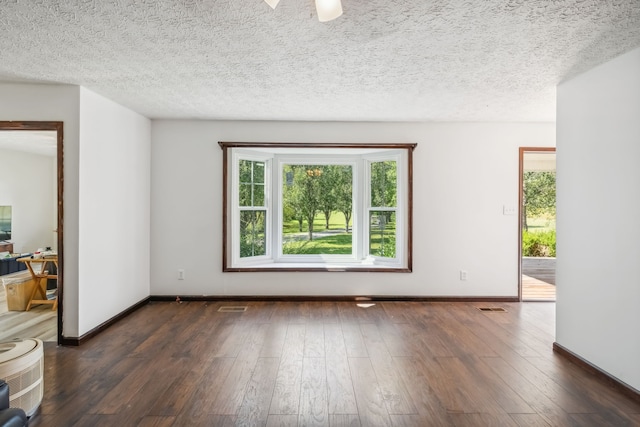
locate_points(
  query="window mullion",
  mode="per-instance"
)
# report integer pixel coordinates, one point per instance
(276, 208)
(362, 206)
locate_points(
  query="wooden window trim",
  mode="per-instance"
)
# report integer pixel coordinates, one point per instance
(226, 145)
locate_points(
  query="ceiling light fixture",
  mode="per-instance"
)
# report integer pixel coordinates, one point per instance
(327, 9)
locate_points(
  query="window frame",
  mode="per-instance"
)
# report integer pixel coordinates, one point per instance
(296, 159)
(279, 154)
(235, 221)
(400, 203)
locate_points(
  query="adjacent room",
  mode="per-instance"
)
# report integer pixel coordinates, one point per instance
(28, 234)
(320, 213)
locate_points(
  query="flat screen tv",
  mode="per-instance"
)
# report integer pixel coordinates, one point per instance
(5, 223)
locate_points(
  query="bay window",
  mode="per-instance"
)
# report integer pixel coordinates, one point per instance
(317, 207)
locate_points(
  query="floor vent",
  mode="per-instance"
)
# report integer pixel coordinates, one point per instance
(233, 308)
(498, 309)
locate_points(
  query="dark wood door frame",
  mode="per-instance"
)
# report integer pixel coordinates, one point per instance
(58, 128)
(520, 201)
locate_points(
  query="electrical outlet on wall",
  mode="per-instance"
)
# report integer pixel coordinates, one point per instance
(181, 274)
(463, 275)
(509, 210)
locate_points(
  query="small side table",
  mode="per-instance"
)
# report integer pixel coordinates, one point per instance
(37, 277)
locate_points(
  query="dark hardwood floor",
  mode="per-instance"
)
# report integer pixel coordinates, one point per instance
(327, 364)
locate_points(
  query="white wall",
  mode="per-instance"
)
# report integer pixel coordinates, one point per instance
(598, 188)
(54, 200)
(113, 209)
(25, 184)
(463, 175)
(106, 147)
(24, 102)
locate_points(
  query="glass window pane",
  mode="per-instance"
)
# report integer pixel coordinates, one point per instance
(258, 172)
(253, 233)
(316, 209)
(245, 170)
(252, 183)
(258, 195)
(382, 233)
(245, 195)
(383, 184)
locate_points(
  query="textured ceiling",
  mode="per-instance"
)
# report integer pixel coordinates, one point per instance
(405, 60)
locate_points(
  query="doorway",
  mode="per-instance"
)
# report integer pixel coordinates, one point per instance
(55, 129)
(537, 224)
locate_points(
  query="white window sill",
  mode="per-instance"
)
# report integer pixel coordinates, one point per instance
(329, 267)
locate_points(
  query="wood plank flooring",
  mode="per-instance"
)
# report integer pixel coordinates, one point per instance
(538, 279)
(538, 284)
(39, 322)
(326, 364)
